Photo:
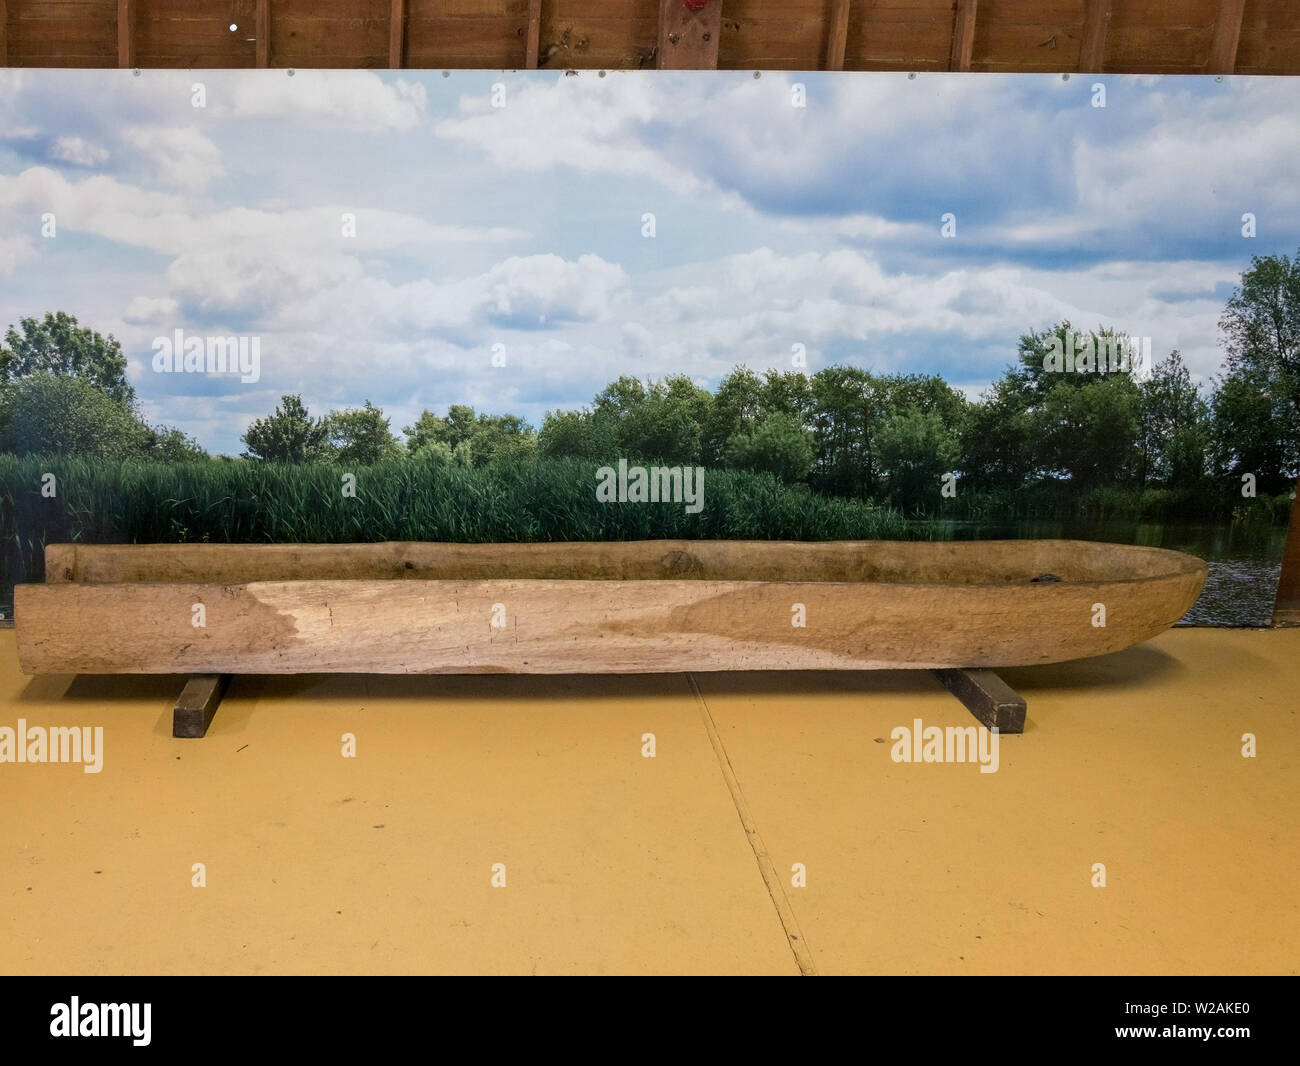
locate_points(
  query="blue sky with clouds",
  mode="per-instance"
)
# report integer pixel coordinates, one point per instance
(522, 225)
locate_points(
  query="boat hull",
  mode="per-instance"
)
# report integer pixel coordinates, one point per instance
(631, 607)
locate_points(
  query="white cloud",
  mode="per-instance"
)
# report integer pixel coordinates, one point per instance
(177, 155)
(175, 223)
(339, 100)
(146, 310)
(14, 249)
(591, 125)
(78, 152)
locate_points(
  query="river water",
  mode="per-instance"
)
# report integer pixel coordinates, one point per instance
(1245, 559)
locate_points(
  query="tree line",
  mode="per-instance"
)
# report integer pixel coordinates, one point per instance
(843, 431)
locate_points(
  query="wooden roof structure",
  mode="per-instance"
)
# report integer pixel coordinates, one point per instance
(1051, 36)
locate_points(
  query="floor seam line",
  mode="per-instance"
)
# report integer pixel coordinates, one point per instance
(771, 879)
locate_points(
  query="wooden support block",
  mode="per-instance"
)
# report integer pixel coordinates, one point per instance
(688, 34)
(990, 699)
(197, 704)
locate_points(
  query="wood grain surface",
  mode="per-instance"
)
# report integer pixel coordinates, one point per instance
(639, 606)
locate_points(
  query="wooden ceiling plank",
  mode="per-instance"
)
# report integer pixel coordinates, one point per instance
(1096, 21)
(1227, 33)
(838, 36)
(263, 33)
(4, 35)
(963, 34)
(534, 34)
(688, 39)
(125, 17)
(396, 34)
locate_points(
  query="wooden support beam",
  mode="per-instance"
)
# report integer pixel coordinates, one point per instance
(1096, 23)
(125, 45)
(688, 34)
(1227, 32)
(534, 34)
(263, 33)
(963, 34)
(990, 699)
(397, 34)
(4, 35)
(197, 704)
(838, 34)
(1286, 608)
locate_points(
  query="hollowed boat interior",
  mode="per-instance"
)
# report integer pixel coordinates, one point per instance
(994, 563)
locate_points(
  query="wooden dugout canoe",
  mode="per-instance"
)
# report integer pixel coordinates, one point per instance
(614, 607)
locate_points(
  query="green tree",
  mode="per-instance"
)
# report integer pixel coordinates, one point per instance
(916, 449)
(998, 442)
(55, 414)
(575, 435)
(668, 423)
(1089, 432)
(779, 445)
(1251, 426)
(475, 439)
(789, 393)
(166, 444)
(1174, 428)
(501, 438)
(845, 401)
(1261, 325)
(428, 429)
(57, 345)
(737, 407)
(743, 400)
(289, 435)
(360, 436)
(1031, 379)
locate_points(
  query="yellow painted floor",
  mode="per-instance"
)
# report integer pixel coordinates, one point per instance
(616, 863)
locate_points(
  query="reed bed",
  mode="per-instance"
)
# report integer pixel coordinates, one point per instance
(96, 501)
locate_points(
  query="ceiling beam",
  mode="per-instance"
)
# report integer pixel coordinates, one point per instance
(838, 35)
(4, 35)
(534, 34)
(1092, 49)
(963, 34)
(397, 34)
(263, 33)
(125, 46)
(1227, 32)
(688, 34)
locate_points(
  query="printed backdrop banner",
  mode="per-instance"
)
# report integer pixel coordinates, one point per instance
(848, 306)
